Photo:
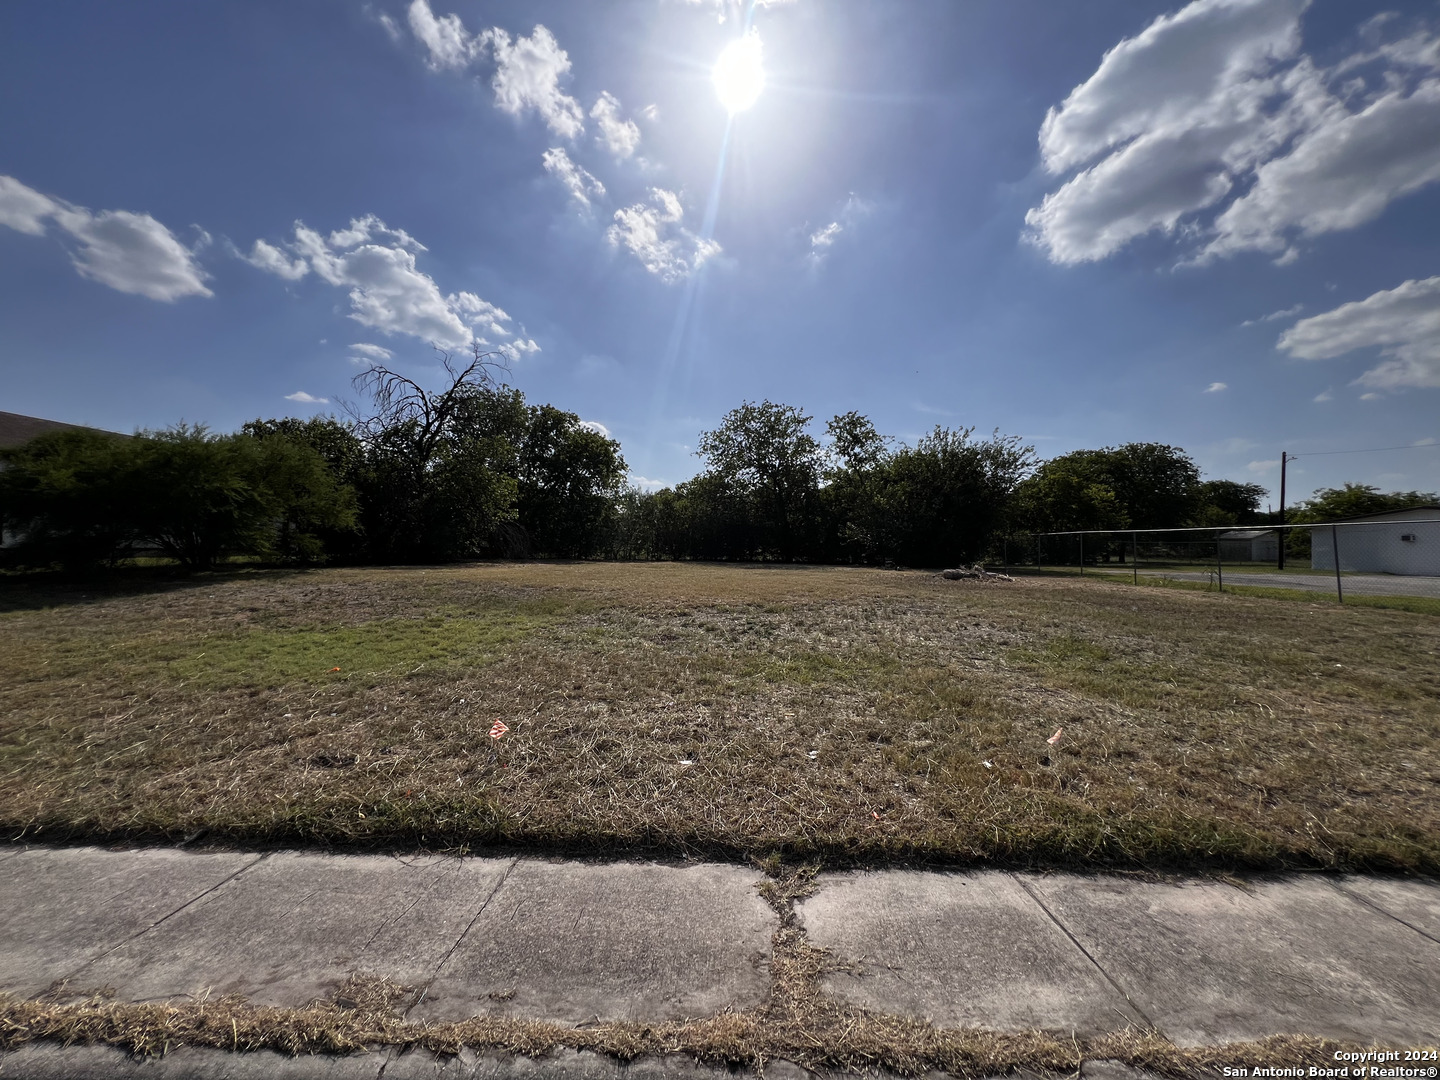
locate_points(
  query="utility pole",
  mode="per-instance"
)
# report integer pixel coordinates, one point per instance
(1284, 458)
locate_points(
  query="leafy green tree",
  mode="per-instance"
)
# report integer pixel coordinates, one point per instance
(764, 455)
(944, 499)
(1356, 500)
(853, 496)
(199, 497)
(320, 514)
(569, 476)
(1228, 502)
(1069, 492)
(64, 499)
(337, 443)
(439, 482)
(1138, 485)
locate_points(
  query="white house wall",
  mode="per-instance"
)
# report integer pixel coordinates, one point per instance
(1378, 549)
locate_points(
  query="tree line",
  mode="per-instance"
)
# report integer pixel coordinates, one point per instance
(474, 471)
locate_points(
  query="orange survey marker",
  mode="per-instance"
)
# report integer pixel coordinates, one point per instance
(334, 669)
(498, 728)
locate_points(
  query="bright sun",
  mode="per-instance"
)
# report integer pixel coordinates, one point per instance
(739, 74)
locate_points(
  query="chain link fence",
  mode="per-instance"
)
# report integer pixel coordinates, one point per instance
(1397, 557)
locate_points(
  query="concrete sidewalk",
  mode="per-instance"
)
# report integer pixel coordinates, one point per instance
(1202, 963)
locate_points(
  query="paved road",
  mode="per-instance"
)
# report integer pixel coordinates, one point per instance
(1202, 963)
(1367, 584)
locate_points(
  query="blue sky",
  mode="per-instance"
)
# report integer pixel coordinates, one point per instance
(1215, 225)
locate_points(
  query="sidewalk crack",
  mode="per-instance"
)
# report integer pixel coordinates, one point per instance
(1086, 952)
(429, 891)
(1383, 911)
(164, 918)
(451, 951)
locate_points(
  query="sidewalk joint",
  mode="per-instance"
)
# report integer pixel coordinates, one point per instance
(463, 934)
(1376, 907)
(164, 918)
(1086, 952)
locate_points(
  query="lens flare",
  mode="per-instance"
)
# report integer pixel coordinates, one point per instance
(739, 73)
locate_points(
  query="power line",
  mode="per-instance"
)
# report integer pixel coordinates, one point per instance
(1369, 450)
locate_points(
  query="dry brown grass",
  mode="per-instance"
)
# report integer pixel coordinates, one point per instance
(859, 1041)
(828, 714)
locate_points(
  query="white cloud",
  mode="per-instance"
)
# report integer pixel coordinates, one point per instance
(446, 39)
(823, 238)
(1276, 315)
(644, 483)
(1341, 175)
(528, 74)
(517, 349)
(654, 235)
(267, 257)
(620, 137)
(595, 426)
(1215, 104)
(392, 28)
(1184, 63)
(387, 289)
(131, 253)
(651, 112)
(378, 353)
(478, 313)
(1216, 387)
(1371, 396)
(1404, 322)
(23, 208)
(581, 185)
(1323, 396)
(1263, 466)
(306, 399)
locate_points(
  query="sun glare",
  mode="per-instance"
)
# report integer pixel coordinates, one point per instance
(739, 74)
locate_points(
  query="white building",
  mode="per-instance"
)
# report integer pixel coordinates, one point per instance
(1250, 545)
(1395, 542)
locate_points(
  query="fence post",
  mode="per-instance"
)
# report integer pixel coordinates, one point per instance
(1335, 550)
(1135, 558)
(1037, 553)
(1005, 554)
(1219, 569)
(1082, 554)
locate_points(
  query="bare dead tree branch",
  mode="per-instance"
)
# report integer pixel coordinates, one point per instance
(398, 400)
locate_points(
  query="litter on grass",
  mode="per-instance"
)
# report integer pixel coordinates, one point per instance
(498, 728)
(1053, 739)
(813, 754)
(988, 764)
(334, 669)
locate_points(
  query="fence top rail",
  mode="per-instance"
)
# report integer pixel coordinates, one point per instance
(1230, 528)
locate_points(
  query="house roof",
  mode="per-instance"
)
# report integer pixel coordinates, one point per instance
(1246, 534)
(17, 429)
(1429, 510)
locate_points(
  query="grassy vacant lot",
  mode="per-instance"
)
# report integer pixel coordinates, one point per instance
(846, 715)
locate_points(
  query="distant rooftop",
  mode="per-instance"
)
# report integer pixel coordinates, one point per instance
(1430, 509)
(17, 429)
